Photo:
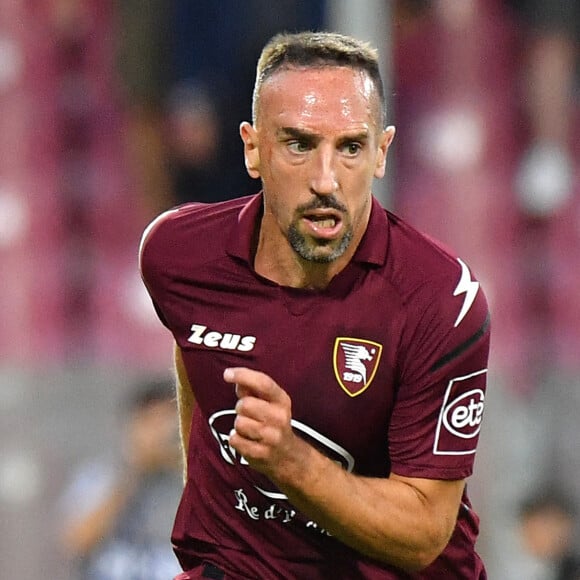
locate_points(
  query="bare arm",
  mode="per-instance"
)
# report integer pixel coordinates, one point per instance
(82, 534)
(185, 405)
(403, 521)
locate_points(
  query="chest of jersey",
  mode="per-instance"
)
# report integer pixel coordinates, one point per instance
(332, 351)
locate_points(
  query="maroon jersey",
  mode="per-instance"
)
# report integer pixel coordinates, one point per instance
(386, 369)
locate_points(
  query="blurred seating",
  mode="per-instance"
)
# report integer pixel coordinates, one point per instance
(458, 113)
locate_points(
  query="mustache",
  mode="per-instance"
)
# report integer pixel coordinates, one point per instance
(323, 202)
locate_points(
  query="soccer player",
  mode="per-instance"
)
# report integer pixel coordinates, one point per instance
(331, 360)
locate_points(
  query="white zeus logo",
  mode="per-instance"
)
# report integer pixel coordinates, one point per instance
(461, 415)
(221, 425)
(224, 340)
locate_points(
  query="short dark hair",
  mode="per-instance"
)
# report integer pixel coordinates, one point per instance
(318, 49)
(547, 500)
(149, 391)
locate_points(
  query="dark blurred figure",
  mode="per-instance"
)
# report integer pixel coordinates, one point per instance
(546, 527)
(194, 144)
(144, 29)
(119, 508)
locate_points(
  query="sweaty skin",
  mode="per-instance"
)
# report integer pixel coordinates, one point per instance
(316, 145)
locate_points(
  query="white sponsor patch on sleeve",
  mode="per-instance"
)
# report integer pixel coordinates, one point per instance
(461, 415)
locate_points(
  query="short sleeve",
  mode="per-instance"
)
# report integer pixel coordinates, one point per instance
(151, 249)
(440, 400)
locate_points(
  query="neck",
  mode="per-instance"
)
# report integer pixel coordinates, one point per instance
(295, 275)
(279, 263)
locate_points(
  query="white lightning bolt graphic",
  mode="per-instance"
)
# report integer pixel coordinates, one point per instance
(470, 287)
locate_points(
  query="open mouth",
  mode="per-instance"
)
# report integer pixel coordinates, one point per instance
(323, 223)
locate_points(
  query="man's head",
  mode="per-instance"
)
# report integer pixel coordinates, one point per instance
(547, 523)
(317, 50)
(317, 142)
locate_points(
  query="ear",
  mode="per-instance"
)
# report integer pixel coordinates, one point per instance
(385, 140)
(249, 136)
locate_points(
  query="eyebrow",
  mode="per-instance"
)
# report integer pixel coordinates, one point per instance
(360, 137)
(295, 133)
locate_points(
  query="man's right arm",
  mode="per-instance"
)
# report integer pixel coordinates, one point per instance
(185, 405)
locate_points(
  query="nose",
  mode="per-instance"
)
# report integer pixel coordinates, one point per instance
(323, 179)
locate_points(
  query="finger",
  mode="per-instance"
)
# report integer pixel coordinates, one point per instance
(255, 383)
(242, 391)
(254, 451)
(248, 428)
(253, 408)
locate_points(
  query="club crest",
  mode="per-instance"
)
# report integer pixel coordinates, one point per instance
(355, 363)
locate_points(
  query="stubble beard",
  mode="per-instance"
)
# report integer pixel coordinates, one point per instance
(317, 251)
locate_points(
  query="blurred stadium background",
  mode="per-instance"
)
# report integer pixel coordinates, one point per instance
(111, 112)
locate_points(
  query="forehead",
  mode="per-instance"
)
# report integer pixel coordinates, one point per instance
(327, 96)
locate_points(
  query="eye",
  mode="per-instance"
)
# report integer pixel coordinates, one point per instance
(352, 148)
(297, 146)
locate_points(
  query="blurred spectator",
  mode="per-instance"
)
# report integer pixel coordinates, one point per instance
(144, 29)
(546, 527)
(119, 509)
(194, 135)
(552, 30)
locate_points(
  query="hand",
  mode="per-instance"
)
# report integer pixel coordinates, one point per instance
(262, 431)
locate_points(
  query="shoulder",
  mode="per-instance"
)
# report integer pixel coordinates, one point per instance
(193, 232)
(179, 224)
(415, 257)
(435, 284)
